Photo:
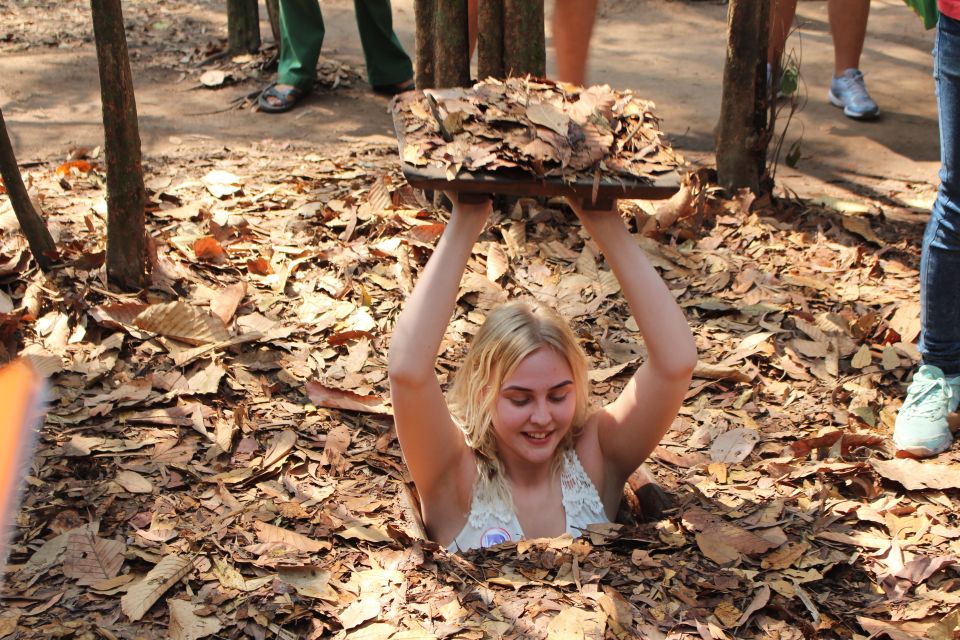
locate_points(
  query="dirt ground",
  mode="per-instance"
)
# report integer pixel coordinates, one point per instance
(671, 52)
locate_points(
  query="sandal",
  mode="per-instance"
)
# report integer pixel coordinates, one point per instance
(394, 89)
(287, 99)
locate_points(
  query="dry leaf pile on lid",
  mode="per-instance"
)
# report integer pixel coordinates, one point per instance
(535, 127)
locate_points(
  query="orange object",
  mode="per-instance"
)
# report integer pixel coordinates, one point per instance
(21, 393)
(80, 165)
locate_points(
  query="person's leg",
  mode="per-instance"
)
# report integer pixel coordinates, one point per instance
(301, 37)
(940, 259)
(781, 21)
(922, 426)
(572, 27)
(388, 65)
(848, 25)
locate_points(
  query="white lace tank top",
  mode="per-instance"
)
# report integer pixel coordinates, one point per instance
(492, 522)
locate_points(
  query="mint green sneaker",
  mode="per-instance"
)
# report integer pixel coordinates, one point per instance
(921, 427)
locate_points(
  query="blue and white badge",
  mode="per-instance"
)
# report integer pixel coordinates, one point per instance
(494, 536)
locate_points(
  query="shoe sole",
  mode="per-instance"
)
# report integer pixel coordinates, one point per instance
(837, 102)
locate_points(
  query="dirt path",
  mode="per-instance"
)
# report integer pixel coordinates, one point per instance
(669, 51)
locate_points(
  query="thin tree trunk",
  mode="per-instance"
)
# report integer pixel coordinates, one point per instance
(243, 26)
(273, 12)
(742, 134)
(425, 14)
(452, 44)
(524, 49)
(34, 228)
(126, 196)
(490, 39)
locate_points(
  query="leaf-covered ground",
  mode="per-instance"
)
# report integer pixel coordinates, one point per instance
(218, 458)
(195, 476)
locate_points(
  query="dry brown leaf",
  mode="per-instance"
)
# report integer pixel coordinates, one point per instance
(298, 541)
(760, 600)
(359, 611)
(280, 447)
(914, 475)
(133, 482)
(221, 184)
(323, 396)
(185, 624)
(375, 631)
(716, 549)
(182, 321)
(714, 526)
(142, 595)
(863, 358)
(734, 446)
(861, 227)
(366, 531)
(90, 559)
(895, 630)
(906, 321)
(207, 249)
(9, 621)
(229, 298)
(311, 582)
(576, 624)
(497, 262)
(785, 557)
(259, 266)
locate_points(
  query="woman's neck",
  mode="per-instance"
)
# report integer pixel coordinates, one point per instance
(524, 476)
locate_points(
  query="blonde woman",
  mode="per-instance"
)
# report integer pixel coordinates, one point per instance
(518, 452)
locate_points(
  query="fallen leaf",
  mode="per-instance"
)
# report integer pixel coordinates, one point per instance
(213, 78)
(861, 227)
(133, 482)
(182, 321)
(914, 475)
(229, 298)
(221, 184)
(576, 624)
(359, 611)
(142, 595)
(207, 249)
(298, 541)
(734, 446)
(716, 527)
(185, 624)
(311, 582)
(324, 396)
(357, 530)
(91, 559)
(716, 549)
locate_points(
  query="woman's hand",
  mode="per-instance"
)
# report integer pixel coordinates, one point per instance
(470, 210)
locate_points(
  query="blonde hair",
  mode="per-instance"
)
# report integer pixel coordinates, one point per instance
(509, 334)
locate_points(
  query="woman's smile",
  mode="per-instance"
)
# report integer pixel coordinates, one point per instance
(535, 406)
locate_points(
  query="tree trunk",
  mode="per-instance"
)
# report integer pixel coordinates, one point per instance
(243, 26)
(126, 196)
(273, 12)
(425, 13)
(524, 48)
(34, 228)
(490, 39)
(452, 44)
(742, 135)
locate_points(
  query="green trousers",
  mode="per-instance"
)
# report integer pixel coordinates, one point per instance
(301, 37)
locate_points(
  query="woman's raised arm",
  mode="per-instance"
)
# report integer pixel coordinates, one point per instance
(631, 426)
(431, 442)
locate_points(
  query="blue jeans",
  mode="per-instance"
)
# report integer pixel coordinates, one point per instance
(940, 258)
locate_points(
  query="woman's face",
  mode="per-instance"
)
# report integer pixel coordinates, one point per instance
(535, 407)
